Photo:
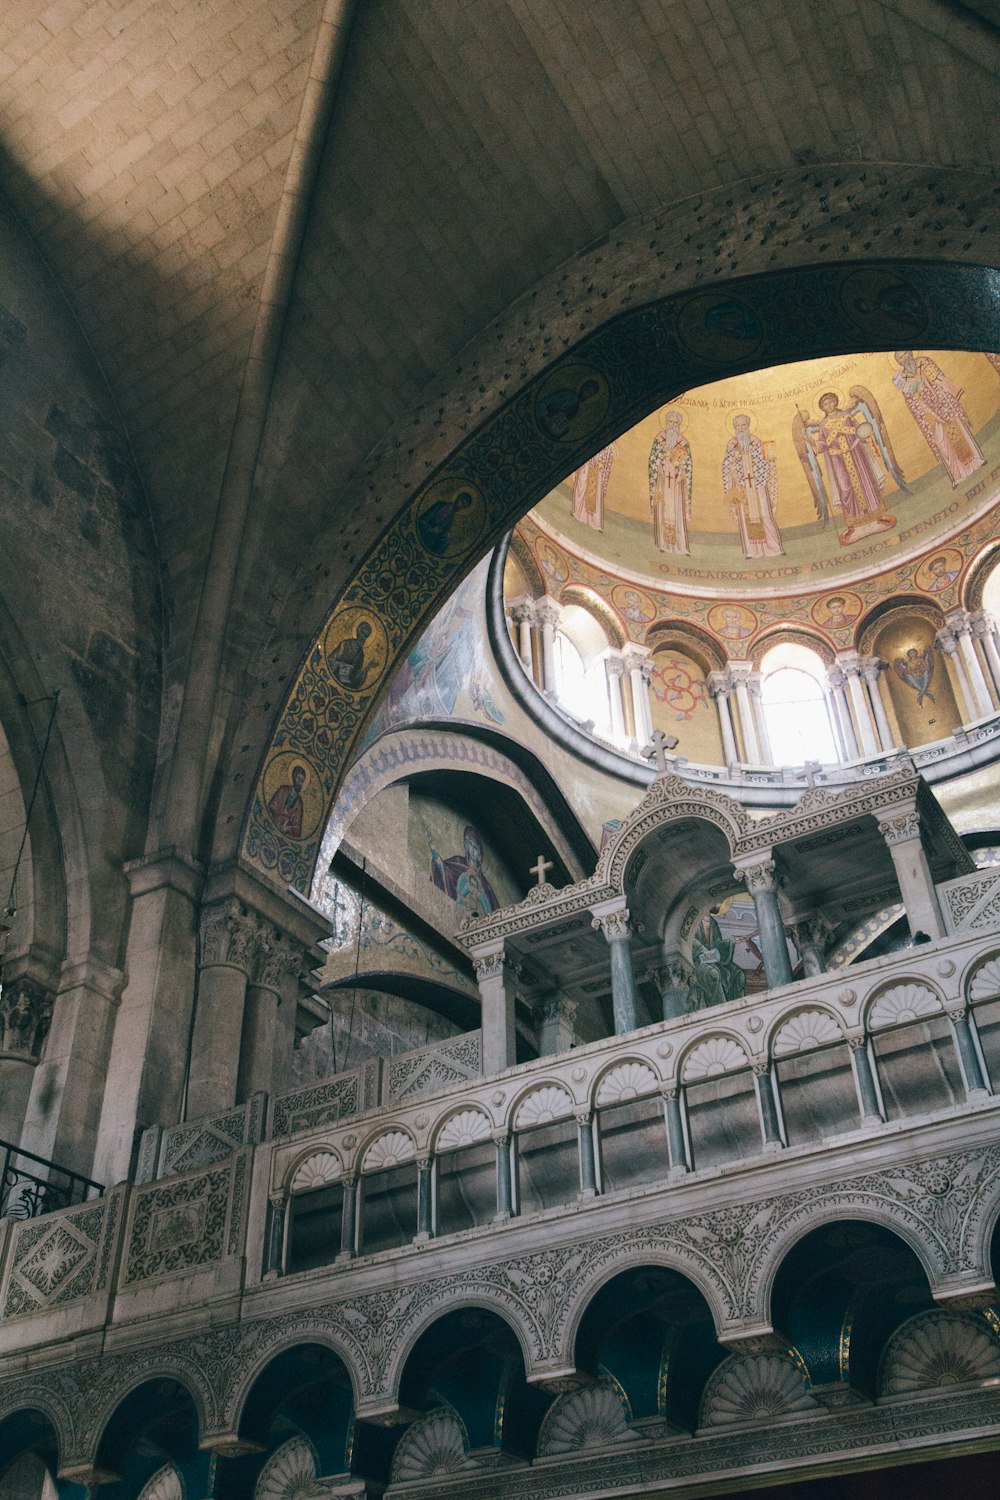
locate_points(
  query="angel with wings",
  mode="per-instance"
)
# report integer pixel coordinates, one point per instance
(916, 669)
(854, 445)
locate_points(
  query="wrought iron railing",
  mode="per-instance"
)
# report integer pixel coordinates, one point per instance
(30, 1185)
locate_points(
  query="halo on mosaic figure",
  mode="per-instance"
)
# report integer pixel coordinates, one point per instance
(451, 517)
(355, 649)
(571, 402)
(292, 795)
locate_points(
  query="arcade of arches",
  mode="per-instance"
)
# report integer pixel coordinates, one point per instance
(499, 749)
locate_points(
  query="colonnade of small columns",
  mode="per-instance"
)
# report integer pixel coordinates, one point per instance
(497, 971)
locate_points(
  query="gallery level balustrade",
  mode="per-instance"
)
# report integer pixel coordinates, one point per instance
(31, 1185)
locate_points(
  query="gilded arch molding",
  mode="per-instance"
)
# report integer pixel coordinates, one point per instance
(605, 382)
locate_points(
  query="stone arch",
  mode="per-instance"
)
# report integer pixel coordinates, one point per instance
(688, 638)
(978, 572)
(629, 1069)
(289, 1183)
(539, 1086)
(183, 1372)
(385, 1132)
(688, 1263)
(873, 620)
(320, 720)
(795, 635)
(798, 1221)
(606, 616)
(907, 991)
(981, 1224)
(291, 1336)
(484, 1299)
(668, 798)
(720, 1034)
(453, 1117)
(982, 970)
(788, 1017)
(19, 1397)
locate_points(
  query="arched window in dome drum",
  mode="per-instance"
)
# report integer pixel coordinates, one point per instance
(796, 707)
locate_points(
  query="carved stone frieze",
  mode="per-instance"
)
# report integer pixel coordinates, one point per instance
(25, 1018)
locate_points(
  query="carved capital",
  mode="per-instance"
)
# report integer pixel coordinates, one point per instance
(25, 1017)
(759, 877)
(849, 663)
(229, 935)
(720, 684)
(811, 932)
(871, 667)
(614, 925)
(556, 1008)
(522, 611)
(614, 665)
(946, 640)
(901, 829)
(547, 611)
(275, 960)
(488, 966)
(981, 623)
(836, 679)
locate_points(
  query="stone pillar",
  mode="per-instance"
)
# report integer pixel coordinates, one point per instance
(673, 1110)
(229, 940)
(588, 1165)
(811, 936)
(640, 670)
(958, 621)
(864, 1082)
(614, 924)
(63, 1112)
(273, 980)
(842, 720)
(555, 1016)
(673, 981)
(976, 1085)
(901, 830)
(947, 642)
(547, 614)
(614, 666)
(425, 1201)
(349, 1218)
(497, 997)
(871, 668)
(522, 613)
(850, 664)
(983, 631)
(760, 724)
(278, 1214)
(760, 878)
(505, 1196)
(767, 1108)
(144, 1079)
(739, 672)
(25, 1018)
(720, 686)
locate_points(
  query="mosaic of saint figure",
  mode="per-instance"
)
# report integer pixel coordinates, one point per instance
(461, 876)
(285, 806)
(916, 669)
(671, 474)
(935, 403)
(750, 485)
(717, 977)
(942, 577)
(347, 658)
(590, 486)
(853, 447)
(434, 527)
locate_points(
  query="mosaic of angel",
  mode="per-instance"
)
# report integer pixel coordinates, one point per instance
(671, 475)
(916, 669)
(590, 486)
(750, 485)
(935, 404)
(847, 456)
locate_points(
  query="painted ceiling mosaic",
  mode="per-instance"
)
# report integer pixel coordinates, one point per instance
(788, 479)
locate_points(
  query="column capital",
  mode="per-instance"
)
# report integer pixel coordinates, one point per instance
(872, 667)
(547, 610)
(836, 677)
(900, 825)
(946, 640)
(758, 876)
(25, 1018)
(614, 924)
(849, 663)
(489, 965)
(636, 657)
(981, 623)
(275, 960)
(556, 1008)
(810, 932)
(522, 610)
(720, 683)
(229, 936)
(614, 662)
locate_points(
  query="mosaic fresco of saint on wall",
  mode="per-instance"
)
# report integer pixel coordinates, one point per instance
(867, 453)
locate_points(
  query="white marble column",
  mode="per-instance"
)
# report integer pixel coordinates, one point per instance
(900, 827)
(843, 725)
(547, 614)
(760, 723)
(959, 622)
(947, 643)
(522, 612)
(640, 670)
(740, 671)
(720, 686)
(614, 667)
(497, 997)
(849, 663)
(871, 668)
(983, 630)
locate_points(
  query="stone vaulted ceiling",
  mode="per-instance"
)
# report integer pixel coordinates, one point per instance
(464, 155)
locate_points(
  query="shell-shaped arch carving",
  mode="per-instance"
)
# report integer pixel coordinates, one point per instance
(590, 1418)
(166, 1484)
(748, 1388)
(908, 1001)
(712, 1057)
(290, 1473)
(804, 1031)
(629, 1080)
(389, 1150)
(935, 1350)
(463, 1129)
(315, 1171)
(985, 981)
(550, 1102)
(434, 1445)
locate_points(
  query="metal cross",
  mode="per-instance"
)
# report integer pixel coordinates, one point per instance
(660, 743)
(541, 869)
